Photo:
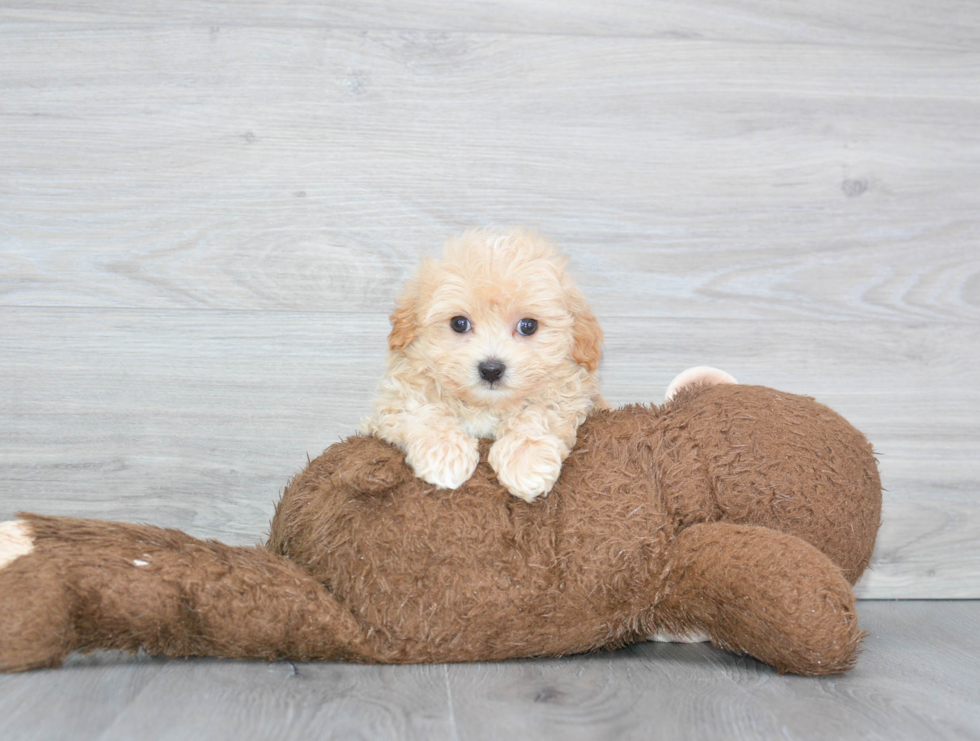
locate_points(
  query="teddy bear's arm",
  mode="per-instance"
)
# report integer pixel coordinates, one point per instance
(88, 584)
(761, 592)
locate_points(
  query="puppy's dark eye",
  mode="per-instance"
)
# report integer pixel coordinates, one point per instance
(460, 324)
(527, 326)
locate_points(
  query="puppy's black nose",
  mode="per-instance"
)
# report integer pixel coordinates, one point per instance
(491, 370)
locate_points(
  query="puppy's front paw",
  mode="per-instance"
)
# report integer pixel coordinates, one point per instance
(447, 460)
(527, 467)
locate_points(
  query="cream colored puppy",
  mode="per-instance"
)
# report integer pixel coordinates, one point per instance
(492, 341)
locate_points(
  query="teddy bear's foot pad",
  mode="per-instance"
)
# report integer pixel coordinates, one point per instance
(702, 374)
(15, 541)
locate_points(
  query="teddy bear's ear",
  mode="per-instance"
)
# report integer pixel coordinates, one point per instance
(586, 333)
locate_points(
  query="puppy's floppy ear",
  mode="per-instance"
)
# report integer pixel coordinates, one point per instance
(404, 320)
(586, 333)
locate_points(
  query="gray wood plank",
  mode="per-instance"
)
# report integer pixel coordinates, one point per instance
(196, 419)
(943, 22)
(675, 691)
(81, 702)
(236, 700)
(917, 679)
(304, 169)
(189, 419)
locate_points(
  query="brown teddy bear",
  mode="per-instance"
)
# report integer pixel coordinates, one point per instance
(740, 513)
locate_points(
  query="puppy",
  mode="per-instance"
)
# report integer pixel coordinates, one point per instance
(492, 341)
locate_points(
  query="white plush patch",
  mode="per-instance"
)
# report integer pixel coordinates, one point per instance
(139, 562)
(15, 541)
(700, 374)
(663, 637)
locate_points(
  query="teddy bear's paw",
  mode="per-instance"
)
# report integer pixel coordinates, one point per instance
(16, 540)
(447, 461)
(35, 616)
(527, 467)
(702, 374)
(369, 466)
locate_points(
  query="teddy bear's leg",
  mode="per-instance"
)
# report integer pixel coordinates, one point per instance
(87, 584)
(760, 592)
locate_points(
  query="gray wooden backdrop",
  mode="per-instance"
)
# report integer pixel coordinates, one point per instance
(206, 209)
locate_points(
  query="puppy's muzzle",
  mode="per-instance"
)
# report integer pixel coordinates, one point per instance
(491, 371)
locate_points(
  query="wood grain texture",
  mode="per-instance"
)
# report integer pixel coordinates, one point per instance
(918, 679)
(238, 700)
(945, 23)
(307, 169)
(207, 208)
(196, 419)
(905, 686)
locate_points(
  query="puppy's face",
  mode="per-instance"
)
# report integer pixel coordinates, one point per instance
(496, 319)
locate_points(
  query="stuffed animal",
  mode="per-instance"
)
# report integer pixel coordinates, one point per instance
(735, 512)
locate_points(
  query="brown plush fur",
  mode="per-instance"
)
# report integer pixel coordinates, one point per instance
(736, 511)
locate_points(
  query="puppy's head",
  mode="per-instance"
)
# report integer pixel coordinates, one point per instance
(496, 318)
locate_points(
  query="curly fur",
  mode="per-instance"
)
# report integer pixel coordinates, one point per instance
(433, 403)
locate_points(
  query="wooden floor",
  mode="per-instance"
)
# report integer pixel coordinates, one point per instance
(918, 679)
(207, 207)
